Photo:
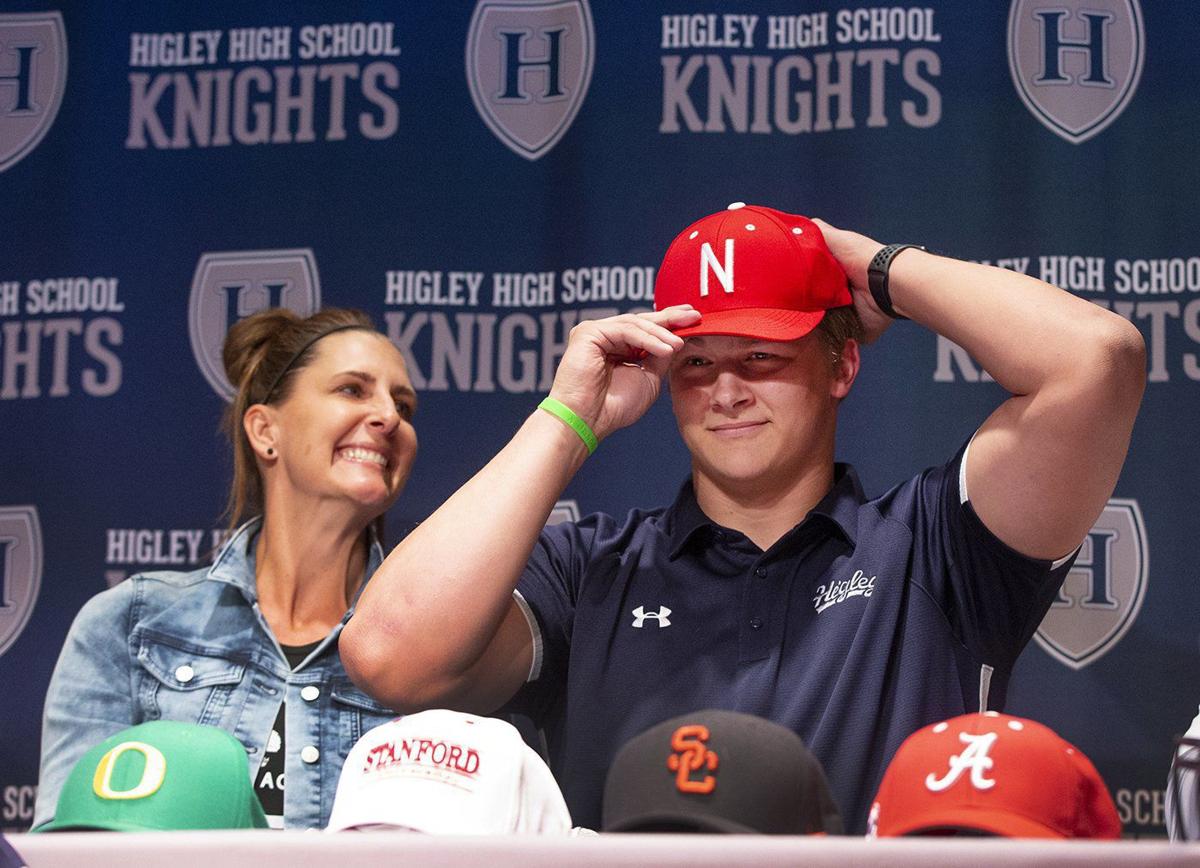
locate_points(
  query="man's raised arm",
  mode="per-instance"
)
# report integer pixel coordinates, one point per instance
(1043, 465)
(437, 624)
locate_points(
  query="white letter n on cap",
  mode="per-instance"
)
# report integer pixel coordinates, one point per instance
(708, 261)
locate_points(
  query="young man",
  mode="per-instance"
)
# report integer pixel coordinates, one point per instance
(772, 585)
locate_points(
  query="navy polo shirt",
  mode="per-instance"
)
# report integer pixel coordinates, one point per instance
(868, 620)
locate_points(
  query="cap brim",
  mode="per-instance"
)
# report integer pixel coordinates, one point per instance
(763, 323)
(94, 826)
(57, 825)
(680, 823)
(996, 822)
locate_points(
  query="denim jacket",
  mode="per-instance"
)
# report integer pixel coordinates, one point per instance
(196, 647)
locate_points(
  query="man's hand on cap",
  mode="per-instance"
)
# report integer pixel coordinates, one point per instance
(612, 369)
(853, 252)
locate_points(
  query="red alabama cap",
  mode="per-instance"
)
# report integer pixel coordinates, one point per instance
(993, 773)
(752, 272)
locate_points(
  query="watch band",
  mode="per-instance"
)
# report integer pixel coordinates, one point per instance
(877, 277)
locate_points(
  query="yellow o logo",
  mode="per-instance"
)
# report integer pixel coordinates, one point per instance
(152, 775)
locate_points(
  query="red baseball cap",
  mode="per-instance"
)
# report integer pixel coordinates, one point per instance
(752, 272)
(993, 773)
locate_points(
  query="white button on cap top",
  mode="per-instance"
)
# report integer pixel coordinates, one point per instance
(309, 693)
(184, 674)
(733, 206)
(310, 754)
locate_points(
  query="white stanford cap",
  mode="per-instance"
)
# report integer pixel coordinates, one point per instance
(447, 773)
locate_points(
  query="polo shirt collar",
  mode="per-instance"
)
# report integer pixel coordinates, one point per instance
(839, 506)
(841, 503)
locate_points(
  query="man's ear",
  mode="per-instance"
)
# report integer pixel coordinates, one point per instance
(259, 424)
(845, 369)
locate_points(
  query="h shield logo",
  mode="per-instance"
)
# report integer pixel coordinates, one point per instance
(20, 570)
(1102, 594)
(1076, 63)
(529, 64)
(564, 510)
(230, 286)
(33, 76)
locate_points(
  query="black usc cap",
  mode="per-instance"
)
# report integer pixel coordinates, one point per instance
(718, 771)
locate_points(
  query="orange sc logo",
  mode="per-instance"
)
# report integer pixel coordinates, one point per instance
(690, 756)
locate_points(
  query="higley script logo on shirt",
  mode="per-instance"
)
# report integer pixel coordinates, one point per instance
(858, 585)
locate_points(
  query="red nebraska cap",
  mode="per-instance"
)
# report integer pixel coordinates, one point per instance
(993, 773)
(752, 272)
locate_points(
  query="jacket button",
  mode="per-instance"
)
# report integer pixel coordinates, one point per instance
(184, 674)
(309, 693)
(310, 754)
(755, 623)
(761, 572)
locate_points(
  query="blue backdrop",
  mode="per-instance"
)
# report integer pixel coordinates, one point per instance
(480, 176)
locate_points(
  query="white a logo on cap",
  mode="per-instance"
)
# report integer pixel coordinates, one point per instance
(975, 757)
(708, 262)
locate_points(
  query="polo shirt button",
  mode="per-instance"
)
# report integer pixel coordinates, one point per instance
(755, 623)
(184, 674)
(308, 694)
(310, 754)
(761, 572)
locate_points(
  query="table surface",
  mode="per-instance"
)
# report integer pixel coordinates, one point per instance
(266, 849)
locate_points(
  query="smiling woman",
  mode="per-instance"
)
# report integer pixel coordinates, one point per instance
(298, 377)
(323, 441)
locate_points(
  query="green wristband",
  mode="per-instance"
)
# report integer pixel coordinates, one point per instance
(562, 411)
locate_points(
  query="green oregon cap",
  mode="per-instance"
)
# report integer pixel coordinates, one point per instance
(159, 776)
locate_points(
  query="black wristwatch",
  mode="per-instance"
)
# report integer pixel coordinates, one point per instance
(877, 277)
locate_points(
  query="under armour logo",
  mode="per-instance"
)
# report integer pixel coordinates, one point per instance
(975, 757)
(640, 615)
(691, 755)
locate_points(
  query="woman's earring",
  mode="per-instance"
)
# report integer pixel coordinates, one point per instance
(270, 451)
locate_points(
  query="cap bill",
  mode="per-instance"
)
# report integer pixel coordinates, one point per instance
(1002, 823)
(763, 323)
(668, 821)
